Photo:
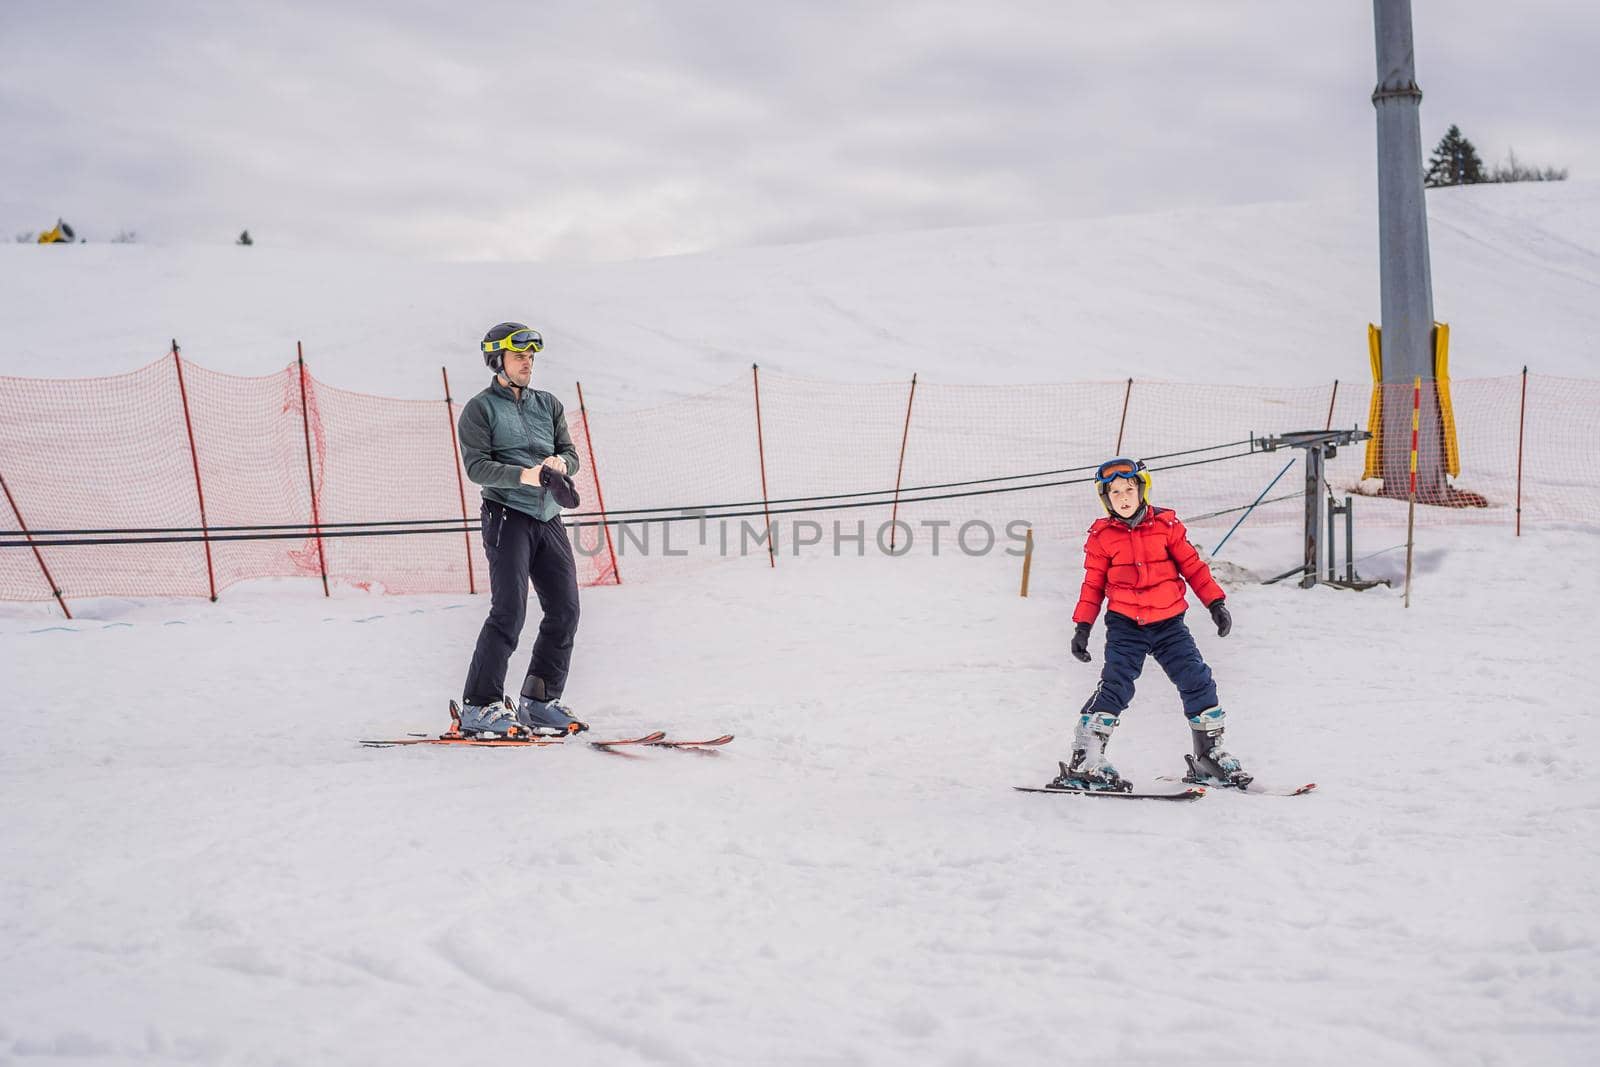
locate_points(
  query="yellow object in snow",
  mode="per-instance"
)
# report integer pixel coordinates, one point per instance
(60, 233)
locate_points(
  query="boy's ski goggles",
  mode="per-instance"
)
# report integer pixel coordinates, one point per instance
(521, 341)
(1113, 469)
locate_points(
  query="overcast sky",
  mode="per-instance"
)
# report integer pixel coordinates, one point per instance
(605, 130)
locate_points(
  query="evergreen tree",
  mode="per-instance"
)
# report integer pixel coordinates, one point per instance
(1454, 162)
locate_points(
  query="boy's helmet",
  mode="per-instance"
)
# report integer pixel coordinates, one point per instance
(1121, 467)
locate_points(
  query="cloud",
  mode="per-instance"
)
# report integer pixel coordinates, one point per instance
(615, 130)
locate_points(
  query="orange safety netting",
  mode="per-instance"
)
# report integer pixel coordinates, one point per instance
(136, 452)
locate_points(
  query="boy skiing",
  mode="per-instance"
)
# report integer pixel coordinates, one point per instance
(1139, 557)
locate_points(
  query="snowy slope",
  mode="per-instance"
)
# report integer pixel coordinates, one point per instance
(202, 866)
(201, 853)
(1276, 293)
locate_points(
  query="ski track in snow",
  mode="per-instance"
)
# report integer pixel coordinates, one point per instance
(203, 865)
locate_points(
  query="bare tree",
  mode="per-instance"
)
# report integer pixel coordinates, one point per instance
(1514, 170)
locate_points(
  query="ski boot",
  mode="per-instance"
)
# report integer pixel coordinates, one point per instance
(544, 714)
(1211, 764)
(1089, 768)
(548, 718)
(487, 720)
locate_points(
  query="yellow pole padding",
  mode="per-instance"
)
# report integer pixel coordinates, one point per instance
(1441, 380)
(1374, 465)
(1411, 511)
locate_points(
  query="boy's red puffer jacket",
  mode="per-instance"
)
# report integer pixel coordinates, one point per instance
(1141, 569)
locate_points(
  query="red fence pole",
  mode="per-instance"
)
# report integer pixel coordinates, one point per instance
(51, 582)
(1123, 425)
(1522, 418)
(311, 481)
(761, 448)
(1328, 425)
(461, 486)
(894, 515)
(600, 496)
(194, 459)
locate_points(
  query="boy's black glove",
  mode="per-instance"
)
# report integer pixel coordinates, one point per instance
(1080, 642)
(1220, 616)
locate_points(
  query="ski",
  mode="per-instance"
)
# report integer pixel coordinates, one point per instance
(652, 738)
(508, 742)
(715, 742)
(511, 742)
(1192, 793)
(463, 739)
(524, 738)
(1279, 791)
(1252, 786)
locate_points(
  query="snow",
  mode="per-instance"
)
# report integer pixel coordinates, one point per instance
(202, 865)
(203, 854)
(1276, 294)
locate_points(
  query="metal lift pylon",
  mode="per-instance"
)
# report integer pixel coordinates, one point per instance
(1321, 446)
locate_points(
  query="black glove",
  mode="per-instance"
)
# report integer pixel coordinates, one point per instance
(1080, 642)
(559, 486)
(1220, 616)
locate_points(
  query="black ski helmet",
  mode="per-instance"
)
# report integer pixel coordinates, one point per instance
(494, 354)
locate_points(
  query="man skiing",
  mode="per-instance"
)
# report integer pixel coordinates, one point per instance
(1139, 557)
(515, 444)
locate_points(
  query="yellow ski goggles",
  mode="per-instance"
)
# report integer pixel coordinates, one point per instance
(521, 341)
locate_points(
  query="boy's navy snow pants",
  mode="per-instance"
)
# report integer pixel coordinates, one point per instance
(1169, 641)
(520, 547)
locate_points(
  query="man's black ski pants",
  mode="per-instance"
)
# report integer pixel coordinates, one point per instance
(521, 547)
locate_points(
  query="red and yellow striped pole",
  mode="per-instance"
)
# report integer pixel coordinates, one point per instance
(1411, 511)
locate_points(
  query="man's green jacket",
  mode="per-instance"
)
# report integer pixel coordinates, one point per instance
(500, 435)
